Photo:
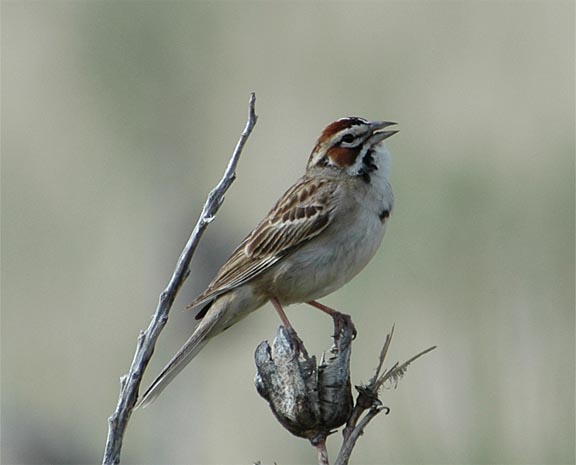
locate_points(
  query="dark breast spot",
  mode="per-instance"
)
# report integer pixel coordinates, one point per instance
(384, 215)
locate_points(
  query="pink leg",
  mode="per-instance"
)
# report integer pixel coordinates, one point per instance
(339, 318)
(281, 313)
(298, 344)
(324, 308)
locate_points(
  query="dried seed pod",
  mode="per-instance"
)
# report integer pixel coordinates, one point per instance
(308, 400)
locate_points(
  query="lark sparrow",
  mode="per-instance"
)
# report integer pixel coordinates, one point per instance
(318, 236)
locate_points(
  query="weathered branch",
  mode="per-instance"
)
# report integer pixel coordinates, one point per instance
(368, 403)
(311, 402)
(130, 383)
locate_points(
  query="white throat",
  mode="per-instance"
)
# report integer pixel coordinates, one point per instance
(383, 159)
(374, 164)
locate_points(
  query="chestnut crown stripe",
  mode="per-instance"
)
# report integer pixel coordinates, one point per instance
(341, 124)
(340, 142)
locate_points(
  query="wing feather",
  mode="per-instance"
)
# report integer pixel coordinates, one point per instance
(302, 213)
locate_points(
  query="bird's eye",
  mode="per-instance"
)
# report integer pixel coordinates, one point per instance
(348, 138)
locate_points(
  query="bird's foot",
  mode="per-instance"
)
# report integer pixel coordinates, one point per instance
(341, 320)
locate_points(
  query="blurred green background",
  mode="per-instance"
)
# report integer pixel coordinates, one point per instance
(118, 117)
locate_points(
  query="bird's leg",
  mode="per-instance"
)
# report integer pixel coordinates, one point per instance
(340, 319)
(282, 314)
(299, 345)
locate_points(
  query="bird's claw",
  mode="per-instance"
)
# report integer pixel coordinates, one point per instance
(341, 321)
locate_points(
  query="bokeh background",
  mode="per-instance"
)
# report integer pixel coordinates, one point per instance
(117, 119)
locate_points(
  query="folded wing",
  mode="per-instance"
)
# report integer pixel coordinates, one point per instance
(301, 214)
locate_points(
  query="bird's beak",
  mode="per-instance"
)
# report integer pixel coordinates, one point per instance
(379, 136)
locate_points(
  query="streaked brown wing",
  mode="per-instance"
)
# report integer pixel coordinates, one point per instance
(301, 214)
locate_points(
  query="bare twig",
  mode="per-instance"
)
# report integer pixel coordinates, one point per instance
(350, 439)
(130, 383)
(368, 404)
(320, 445)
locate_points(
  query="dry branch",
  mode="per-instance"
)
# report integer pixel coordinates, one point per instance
(130, 383)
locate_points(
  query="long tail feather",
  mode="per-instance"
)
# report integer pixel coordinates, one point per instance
(188, 351)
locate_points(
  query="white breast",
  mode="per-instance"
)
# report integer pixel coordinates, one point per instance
(343, 249)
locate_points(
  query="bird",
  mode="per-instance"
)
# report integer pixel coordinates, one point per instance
(319, 235)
